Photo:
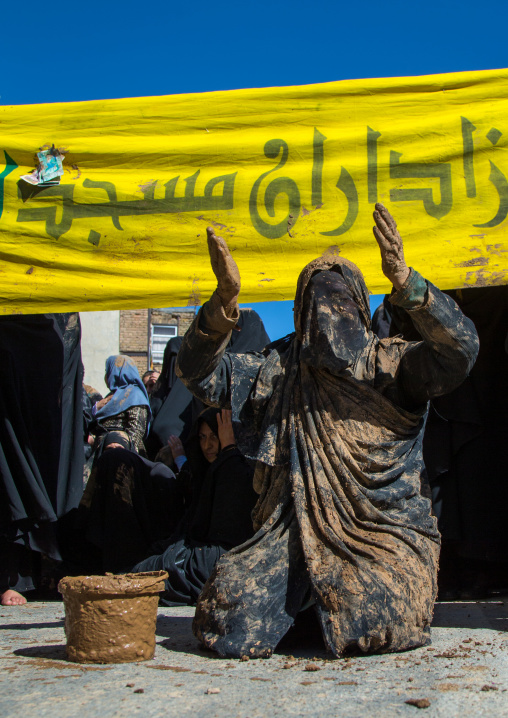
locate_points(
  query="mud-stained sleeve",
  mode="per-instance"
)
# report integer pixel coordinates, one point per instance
(440, 362)
(201, 363)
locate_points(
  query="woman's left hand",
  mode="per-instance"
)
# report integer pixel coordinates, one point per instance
(393, 263)
(176, 446)
(225, 428)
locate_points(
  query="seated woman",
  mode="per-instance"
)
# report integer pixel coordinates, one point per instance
(136, 515)
(173, 406)
(126, 409)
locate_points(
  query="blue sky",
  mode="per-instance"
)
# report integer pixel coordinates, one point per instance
(61, 52)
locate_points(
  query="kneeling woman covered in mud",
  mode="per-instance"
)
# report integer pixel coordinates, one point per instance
(136, 515)
(334, 417)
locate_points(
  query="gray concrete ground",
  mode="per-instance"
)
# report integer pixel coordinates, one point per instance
(463, 673)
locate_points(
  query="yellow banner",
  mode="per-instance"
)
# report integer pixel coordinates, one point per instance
(282, 173)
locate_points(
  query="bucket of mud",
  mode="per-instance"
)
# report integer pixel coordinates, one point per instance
(111, 619)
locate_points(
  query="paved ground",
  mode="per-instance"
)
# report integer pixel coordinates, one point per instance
(463, 673)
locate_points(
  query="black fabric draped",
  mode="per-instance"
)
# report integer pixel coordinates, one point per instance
(465, 435)
(167, 376)
(249, 334)
(218, 518)
(41, 433)
(382, 318)
(129, 504)
(176, 408)
(136, 515)
(463, 450)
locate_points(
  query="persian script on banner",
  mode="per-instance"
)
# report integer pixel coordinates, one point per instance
(284, 174)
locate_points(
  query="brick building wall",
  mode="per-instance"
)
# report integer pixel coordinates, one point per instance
(135, 331)
(182, 320)
(134, 336)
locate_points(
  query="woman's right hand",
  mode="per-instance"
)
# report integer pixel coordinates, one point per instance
(176, 446)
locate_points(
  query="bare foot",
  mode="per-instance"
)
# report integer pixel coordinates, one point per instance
(12, 598)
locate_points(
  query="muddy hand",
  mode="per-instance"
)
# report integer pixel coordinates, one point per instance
(225, 269)
(393, 263)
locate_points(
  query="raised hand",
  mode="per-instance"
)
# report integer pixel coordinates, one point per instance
(225, 428)
(387, 235)
(175, 446)
(225, 269)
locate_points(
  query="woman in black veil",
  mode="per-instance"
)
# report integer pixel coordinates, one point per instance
(137, 515)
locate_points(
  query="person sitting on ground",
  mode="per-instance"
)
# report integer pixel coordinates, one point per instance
(136, 515)
(124, 412)
(218, 516)
(334, 417)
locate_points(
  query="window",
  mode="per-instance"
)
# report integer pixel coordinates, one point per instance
(161, 334)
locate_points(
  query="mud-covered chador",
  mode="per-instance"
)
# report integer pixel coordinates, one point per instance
(334, 417)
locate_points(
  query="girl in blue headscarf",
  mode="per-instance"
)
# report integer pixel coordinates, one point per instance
(123, 416)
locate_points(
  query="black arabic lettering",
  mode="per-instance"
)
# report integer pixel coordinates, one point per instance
(497, 178)
(48, 214)
(468, 148)
(372, 138)
(110, 190)
(317, 168)
(413, 170)
(71, 210)
(280, 185)
(499, 181)
(346, 184)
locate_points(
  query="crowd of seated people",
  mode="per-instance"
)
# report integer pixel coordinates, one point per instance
(143, 477)
(139, 515)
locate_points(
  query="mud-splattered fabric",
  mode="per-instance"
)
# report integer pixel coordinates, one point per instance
(334, 417)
